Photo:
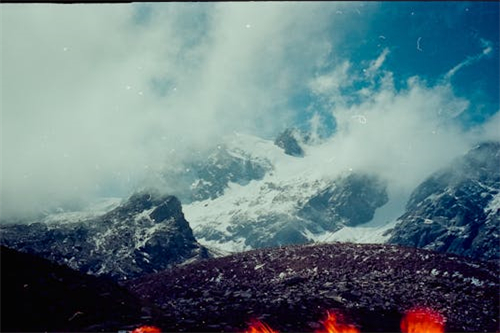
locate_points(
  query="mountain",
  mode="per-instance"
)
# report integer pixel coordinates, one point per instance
(289, 140)
(295, 201)
(207, 176)
(300, 200)
(274, 214)
(457, 209)
(291, 288)
(248, 193)
(40, 296)
(145, 234)
(223, 167)
(351, 202)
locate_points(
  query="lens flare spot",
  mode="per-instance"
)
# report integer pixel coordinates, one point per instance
(256, 326)
(147, 329)
(423, 320)
(335, 323)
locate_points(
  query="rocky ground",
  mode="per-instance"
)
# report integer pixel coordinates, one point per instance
(291, 289)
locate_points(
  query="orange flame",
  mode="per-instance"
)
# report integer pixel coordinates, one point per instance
(257, 326)
(422, 320)
(147, 329)
(334, 324)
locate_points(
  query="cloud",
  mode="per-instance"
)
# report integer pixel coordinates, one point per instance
(101, 99)
(331, 83)
(487, 49)
(376, 64)
(489, 130)
(402, 134)
(98, 99)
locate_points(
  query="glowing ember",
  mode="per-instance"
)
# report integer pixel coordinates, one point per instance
(422, 320)
(334, 323)
(147, 329)
(257, 326)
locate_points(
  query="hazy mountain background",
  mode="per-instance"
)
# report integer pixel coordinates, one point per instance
(102, 100)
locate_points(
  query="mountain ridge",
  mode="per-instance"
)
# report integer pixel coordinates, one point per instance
(146, 233)
(457, 208)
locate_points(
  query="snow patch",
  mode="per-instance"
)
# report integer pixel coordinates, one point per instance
(493, 205)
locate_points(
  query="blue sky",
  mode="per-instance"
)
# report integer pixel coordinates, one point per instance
(428, 39)
(99, 99)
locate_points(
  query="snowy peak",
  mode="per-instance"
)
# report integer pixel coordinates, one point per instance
(208, 175)
(480, 165)
(288, 140)
(224, 166)
(277, 211)
(162, 208)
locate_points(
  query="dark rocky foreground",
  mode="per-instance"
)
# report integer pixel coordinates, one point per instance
(291, 288)
(40, 296)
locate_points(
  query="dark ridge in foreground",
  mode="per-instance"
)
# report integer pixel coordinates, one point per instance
(40, 296)
(291, 288)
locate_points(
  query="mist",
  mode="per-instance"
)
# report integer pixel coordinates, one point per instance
(98, 100)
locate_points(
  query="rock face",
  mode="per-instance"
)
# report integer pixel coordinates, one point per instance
(222, 167)
(40, 296)
(351, 202)
(146, 234)
(296, 213)
(291, 289)
(457, 210)
(289, 141)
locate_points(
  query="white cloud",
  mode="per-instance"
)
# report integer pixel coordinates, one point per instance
(487, 49)
(331, 82)
(376, 64)
(94, 98)
(402, 135)
(488, 131)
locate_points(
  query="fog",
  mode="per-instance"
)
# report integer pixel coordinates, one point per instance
(99, 99)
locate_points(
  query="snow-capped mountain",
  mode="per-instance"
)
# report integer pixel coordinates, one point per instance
(299, 200)
(206, 176)
(457, 210)
(146, 233)
(249, 193)
(296, 201)
(289, 140)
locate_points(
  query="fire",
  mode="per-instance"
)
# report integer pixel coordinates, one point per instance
(334, 323)
(147, 329)
(422, 320)
(257, 326)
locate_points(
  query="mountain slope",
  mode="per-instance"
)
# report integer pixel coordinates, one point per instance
(291, 288)
(40, 296)
(315, 199)
(145, 234)
(457, 210)
(289, 141)
(296, 201)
